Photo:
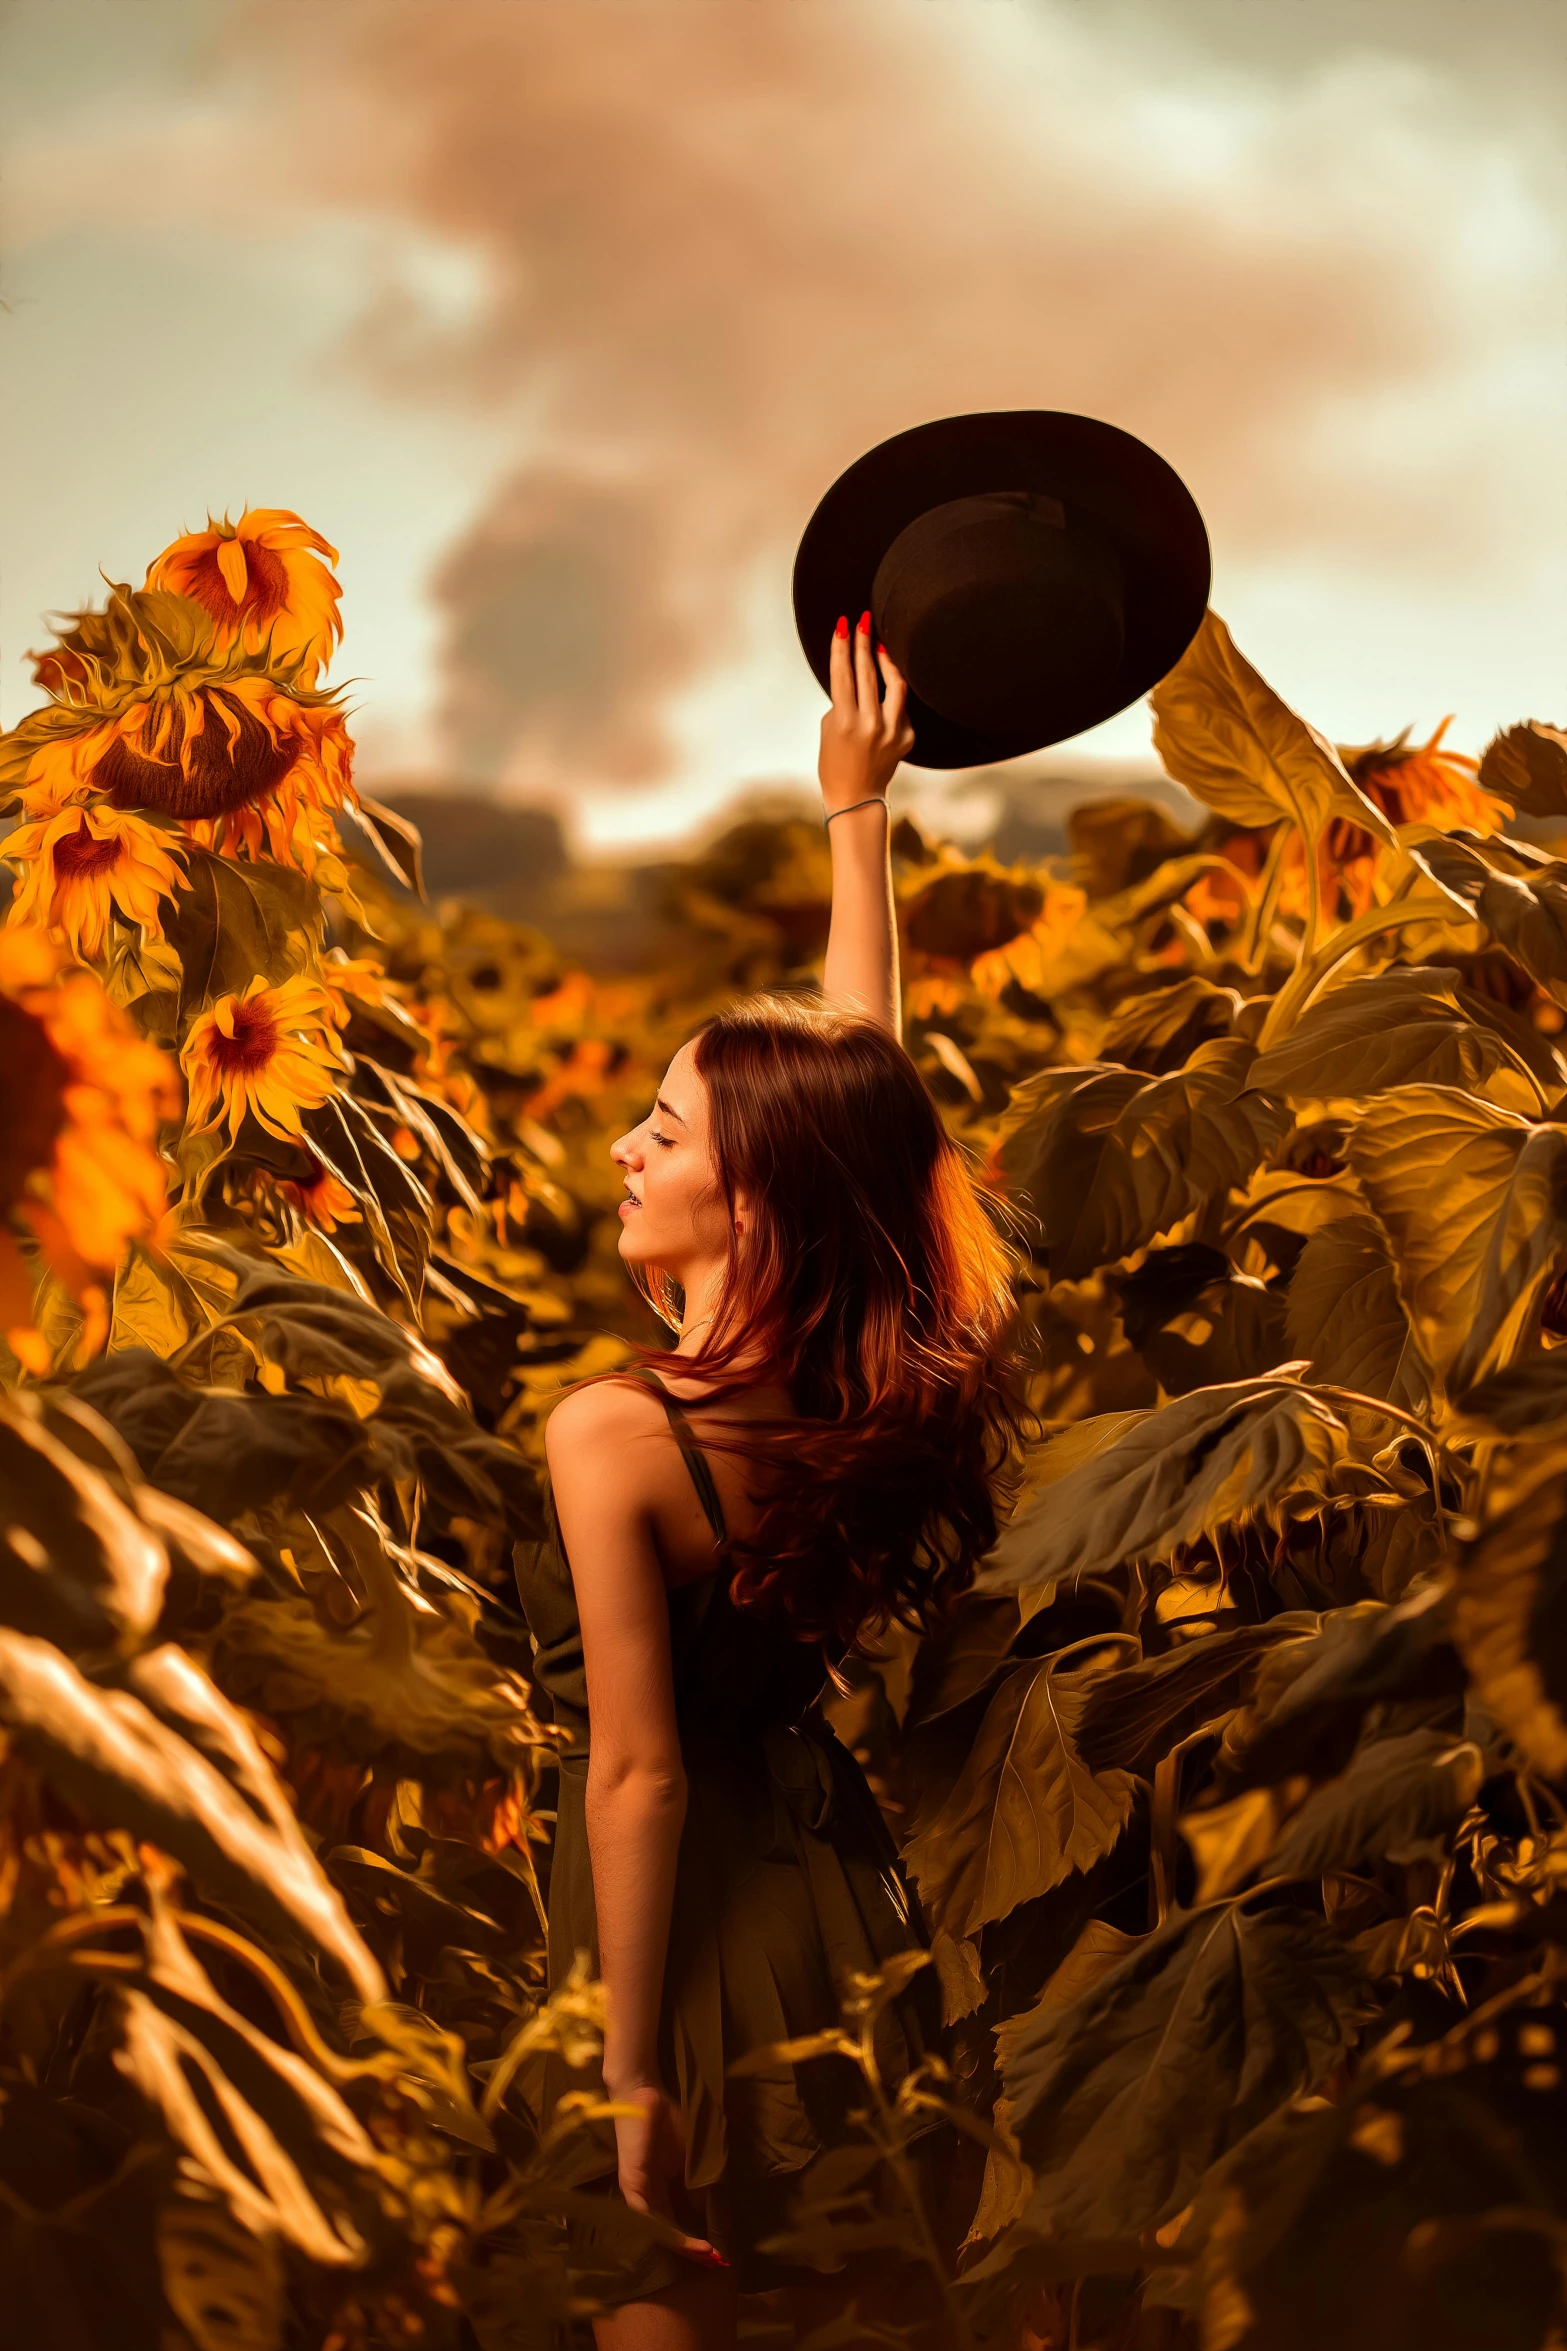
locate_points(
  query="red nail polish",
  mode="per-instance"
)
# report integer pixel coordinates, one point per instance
(880, 647)
(842, 629)
(865, 623)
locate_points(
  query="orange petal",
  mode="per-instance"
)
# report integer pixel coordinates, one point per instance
(231, 563)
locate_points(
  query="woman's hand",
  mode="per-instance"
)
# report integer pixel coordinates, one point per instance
(651, 2148)
(863, 737)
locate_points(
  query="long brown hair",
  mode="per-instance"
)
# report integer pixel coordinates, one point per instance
(870, 1281)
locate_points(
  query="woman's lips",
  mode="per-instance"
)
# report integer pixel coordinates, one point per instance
(629, 1203)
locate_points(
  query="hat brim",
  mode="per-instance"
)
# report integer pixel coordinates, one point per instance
(1140, 501)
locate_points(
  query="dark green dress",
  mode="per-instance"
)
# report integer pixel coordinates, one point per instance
(787, 1882)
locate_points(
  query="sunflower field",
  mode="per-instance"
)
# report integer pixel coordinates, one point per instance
(1236, 1792)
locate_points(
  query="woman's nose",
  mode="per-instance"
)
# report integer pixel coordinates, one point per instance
(624, 1152)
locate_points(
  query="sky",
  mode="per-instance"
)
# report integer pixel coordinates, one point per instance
(558, 316)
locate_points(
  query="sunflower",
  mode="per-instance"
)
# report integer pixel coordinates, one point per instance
(150, 713)
(1426, 784)
(84, 865)
(1421, 785)
(81, 1099)
(321, 1198)
(273, 1051)
(260, 584)
(242, 763)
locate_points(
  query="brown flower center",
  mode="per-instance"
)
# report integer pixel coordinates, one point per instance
(82, 852)
(265, 582)
(219, 771)
(252, 1045)
(33, 1079)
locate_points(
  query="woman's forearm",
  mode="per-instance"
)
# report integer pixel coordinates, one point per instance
(861, 971)
(634, 1820)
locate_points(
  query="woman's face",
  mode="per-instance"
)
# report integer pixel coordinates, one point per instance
(673, 1214)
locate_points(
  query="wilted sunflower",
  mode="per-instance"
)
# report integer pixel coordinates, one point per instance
(259, 582)
(1425, 784)
(149, 713)
(272, 1051)
(83, 865)
(1420, 785)
(81, 1098)
(321, 1198)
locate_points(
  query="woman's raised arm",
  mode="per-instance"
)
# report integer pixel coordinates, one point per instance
(863, 739)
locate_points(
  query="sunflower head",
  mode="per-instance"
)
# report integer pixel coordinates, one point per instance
(80, 866)
(243, 762)
(320, 1198)
(1424, 784)
(262, 584)
(81, 1099)
(272, 1051)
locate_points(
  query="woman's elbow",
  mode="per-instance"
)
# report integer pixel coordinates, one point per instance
(654, 1783)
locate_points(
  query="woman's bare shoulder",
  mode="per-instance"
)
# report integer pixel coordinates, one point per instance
(597, 1424)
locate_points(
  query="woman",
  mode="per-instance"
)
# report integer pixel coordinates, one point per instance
(819, 1453)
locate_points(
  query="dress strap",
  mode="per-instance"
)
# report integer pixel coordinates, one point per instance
(695, 1459)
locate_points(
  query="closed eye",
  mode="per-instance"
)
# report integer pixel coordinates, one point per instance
(667, 1141)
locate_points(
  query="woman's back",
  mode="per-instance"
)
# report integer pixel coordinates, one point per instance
(736, 1674)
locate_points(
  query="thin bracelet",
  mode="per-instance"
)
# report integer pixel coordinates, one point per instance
(876, 800)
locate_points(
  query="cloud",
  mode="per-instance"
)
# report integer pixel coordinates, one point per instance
(695, 255)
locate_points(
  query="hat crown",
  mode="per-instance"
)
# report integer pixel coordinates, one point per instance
(1031, 572)
(992, 602)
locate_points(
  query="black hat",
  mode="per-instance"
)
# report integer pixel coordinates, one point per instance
(1029, 572)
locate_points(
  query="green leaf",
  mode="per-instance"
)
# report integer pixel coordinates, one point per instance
(147, 1311)
(1397, 1796)
(1121, 2101)
(431, 1922)
(1527, 1400)
(109, 1755)
(223, 2284)
(1107, 1160)
(1527, 767)
(77, 1565)
(1115, 843)
(1257, 1450)
(1511, 1609)
(1517, 892)
(1411, 1026)
(1421, 2209)
(1345, 1317)
(397, 840)
(1223, 732)
(1162, 1029)
(226, 1453)
(1135, 1715)
(234, 922)
(1025, 1812)
(1312, 1695)
(1474, 1203)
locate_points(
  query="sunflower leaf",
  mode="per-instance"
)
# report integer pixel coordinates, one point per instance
(1473, 1200)
(1527, 767)
(1108, 1160)
(1121, 2100)
(108, 1754)
(1223, 732)
(1511, 1606)
(1025, 1812)
(1222, 1457)
(1415, 1026)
